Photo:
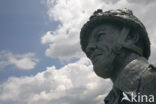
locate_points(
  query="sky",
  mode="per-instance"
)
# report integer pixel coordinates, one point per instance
(41, 61)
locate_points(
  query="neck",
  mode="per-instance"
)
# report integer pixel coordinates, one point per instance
(121, 61)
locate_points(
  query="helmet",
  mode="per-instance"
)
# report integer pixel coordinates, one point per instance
(119, 16)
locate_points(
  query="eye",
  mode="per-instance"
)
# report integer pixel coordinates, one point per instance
(100, 36)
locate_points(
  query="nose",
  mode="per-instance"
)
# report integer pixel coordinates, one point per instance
(90, 49)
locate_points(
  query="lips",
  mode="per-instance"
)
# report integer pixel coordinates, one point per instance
(94, 57)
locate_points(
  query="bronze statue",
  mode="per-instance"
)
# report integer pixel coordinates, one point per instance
(118, 46)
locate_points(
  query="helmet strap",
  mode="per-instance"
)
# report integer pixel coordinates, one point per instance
(120, 41)
(122, 44)
(134, 48)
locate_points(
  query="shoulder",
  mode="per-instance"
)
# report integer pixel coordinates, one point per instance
(150, 72)
(148, 80)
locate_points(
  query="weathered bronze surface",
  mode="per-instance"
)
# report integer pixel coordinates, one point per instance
(118, 46)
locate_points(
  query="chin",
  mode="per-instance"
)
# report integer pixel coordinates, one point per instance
(104, 72)
(103, 66)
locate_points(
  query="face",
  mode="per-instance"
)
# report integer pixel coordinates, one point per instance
(101, 43)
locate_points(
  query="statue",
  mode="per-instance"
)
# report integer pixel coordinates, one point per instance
(118, 46)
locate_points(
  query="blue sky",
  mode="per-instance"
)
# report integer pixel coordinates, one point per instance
(41, 61)
(22, 23)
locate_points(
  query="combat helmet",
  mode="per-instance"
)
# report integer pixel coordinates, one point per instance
(123, 16)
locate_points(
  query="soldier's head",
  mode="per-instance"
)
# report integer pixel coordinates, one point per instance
(107, 34)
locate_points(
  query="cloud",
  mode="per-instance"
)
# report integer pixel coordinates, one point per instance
(62, 47)
(74, 83)
(21, 61)
(141, 2)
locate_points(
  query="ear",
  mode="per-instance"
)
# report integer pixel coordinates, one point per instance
(132, 38)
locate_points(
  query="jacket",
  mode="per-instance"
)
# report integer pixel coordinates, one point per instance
(136, 84)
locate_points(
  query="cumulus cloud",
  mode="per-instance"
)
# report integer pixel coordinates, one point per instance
(141, 1)
(72, 14)
(63, 47)
(21, 61)
(74, 83)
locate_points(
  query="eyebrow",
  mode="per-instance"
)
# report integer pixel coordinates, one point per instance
(102, 31)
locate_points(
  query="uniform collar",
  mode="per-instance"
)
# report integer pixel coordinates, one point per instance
(128, 79)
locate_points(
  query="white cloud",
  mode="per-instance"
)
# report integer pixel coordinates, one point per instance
(21, 61)
(74, 83)
(141, 1)
(62, 47)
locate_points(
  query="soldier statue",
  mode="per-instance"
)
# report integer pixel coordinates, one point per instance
(118, 46)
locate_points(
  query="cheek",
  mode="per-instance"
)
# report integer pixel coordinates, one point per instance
(109, 39)
(106, 47)
(112, 40)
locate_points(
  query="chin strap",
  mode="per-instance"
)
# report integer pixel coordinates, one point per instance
(134, 48)
(121, 43)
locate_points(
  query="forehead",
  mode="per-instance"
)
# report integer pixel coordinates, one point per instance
(105, 27)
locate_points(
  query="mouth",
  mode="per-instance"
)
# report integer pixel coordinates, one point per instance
(94, 57)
